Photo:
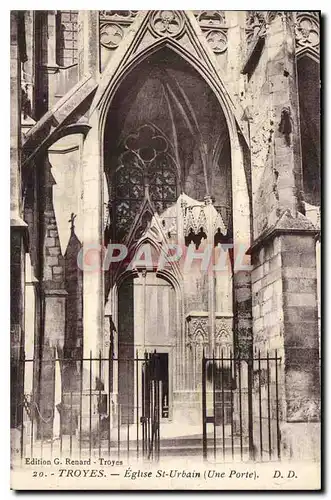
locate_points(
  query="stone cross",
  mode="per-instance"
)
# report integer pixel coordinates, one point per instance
(72, 221)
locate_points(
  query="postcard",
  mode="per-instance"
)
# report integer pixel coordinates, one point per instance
(165, 250)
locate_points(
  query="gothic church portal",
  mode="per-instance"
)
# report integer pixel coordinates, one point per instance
(156, 129)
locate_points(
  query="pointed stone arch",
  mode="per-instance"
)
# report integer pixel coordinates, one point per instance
(113, 78)
(196, 67)
(123, 65)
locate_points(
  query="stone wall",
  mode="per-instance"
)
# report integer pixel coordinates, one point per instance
(280, 293)
(53, 295)
(267, 297)
(285, 317)
(53, 267)
(272, 109)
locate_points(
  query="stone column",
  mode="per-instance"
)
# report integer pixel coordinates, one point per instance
(31, 287)
(88, 47)
(51, 66)
(53, 297)
(211, 279)
(235, 80)
(51, 38)
(93, 274)
(29, 66)
(285, 317)
(93, 290)
(241, 241)
(18, 234)
(15, 119)
(285, 313)
(242, 313)
(283, 94)
(301, 346)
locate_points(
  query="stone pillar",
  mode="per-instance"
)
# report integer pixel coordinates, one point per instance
(18, 233)
(210, 280)
(53, 297)
(51, 67)
(282, 79)
(54, 327)
(284, 288)
(242, 305)
(31, 287)
(51, 38)
(17, 293)
(15, 119)
(235, 80)
(301, 345)
(285, 317)
(93, 274)
(88, 48)
(29, 66)
(241, 241)
(93, 290)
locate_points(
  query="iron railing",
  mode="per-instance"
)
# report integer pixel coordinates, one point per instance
(83, 416)
(241, 408)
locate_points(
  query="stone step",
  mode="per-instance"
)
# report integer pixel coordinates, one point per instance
(184, 446)
(197, 451)
(197, 441)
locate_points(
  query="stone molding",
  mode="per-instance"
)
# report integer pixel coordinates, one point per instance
(213, 26)
(197, 328)
(112, 26)
(307, 34)
(286, 224)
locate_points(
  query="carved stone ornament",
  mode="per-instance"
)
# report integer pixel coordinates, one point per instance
(113, 24)
(223, 334)
(255, 18)
(210, 18)
(111, 35)
(271, 15)
(217, 40)
(167, 22)
(210, 22)
(196, 215)
(307, 32)
(197, 330)
(255, 23)
(122, 16)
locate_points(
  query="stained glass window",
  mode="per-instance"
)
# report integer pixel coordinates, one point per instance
(162, 182)
(145, 168)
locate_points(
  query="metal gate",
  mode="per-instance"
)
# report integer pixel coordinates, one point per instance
(86, 417)
(241, 407)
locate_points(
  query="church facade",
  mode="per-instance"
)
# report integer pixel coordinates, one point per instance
(165, 197)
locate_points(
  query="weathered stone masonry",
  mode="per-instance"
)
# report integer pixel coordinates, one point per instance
(70, 99)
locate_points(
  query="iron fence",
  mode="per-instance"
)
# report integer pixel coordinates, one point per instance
(79, 412)
(113, 406)
(241, 406)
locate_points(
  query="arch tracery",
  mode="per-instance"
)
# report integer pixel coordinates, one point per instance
(167, 139)
(160, 141)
